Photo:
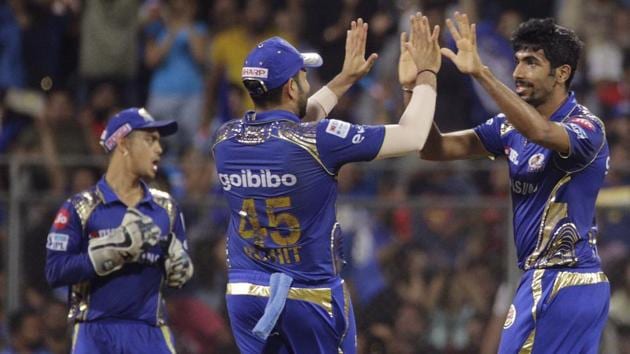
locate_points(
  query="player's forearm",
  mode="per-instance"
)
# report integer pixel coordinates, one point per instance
(410, 134)
(519, 113)
(64, 270)
(433, 149)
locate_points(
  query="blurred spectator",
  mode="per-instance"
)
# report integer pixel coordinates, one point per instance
(44, 46)
(619, 314)
(103, 103)
(176, 50)
(227, 54)
(108, 50)
(57, 337)
(25, 333)
(198, 327)
(11, 63)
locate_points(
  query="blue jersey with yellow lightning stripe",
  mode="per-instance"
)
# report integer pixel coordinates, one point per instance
(553, 195)
(279, 178)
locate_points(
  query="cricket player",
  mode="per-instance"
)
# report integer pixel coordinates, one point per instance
(284, 292)
(557, 156)
(117, 243)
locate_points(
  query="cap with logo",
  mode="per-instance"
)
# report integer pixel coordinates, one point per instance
(272, 63)
(128, 120)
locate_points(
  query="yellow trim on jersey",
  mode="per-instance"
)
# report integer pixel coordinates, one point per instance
(75, 336)
(528, 346)
(317, 296)
(566, 279)
(168, 339)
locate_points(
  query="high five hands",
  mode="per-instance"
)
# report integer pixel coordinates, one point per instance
(355, 65)
(467, 58)
(418, 52)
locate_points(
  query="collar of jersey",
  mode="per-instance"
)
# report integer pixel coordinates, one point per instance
(110, 197)
(252, 117)
(565, 109)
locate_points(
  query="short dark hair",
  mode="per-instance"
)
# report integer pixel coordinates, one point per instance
(560, 45)
(271, 97)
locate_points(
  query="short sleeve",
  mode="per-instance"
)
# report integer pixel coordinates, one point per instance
(340, 142)
(586, 138)
(490, 134)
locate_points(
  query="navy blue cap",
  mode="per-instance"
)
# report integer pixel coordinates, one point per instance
(128, 120)
(274, 61)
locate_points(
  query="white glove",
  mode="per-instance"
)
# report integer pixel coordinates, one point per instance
(136, 233)
(178, 265)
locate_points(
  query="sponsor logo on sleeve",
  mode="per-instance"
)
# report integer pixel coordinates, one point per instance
(512, 156)
(581, 134)
(61, 220)
(536, 162)
(511, 317)
(57, 241)
(584, 123)
(338, 128)
(358, 137)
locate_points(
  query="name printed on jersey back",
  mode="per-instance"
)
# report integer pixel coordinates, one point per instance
(256, 179)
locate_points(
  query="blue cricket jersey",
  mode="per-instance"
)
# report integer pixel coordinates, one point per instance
(279, 177)
(131, 293)
(553, 196)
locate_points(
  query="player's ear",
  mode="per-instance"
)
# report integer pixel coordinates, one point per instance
(563, 72)
(292, 88)
(123, 145)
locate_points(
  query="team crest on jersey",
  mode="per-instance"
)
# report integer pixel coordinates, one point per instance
(511, 317)
(536, 162)
(506, 127)
(338, 128)
(62, 218)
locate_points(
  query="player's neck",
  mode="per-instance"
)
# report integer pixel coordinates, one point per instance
(280, 107)
(126, 186)
(556, 99)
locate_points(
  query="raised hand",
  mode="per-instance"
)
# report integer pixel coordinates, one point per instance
(467, 58)
(423, 44)
(407, 70)
(354, 64)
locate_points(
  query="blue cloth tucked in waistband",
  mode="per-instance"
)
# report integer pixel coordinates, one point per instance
(279, 284)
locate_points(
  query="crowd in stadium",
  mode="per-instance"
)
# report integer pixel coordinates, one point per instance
(426, 244)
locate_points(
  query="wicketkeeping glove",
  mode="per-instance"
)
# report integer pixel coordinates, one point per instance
(178, 265)
(125, 244)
